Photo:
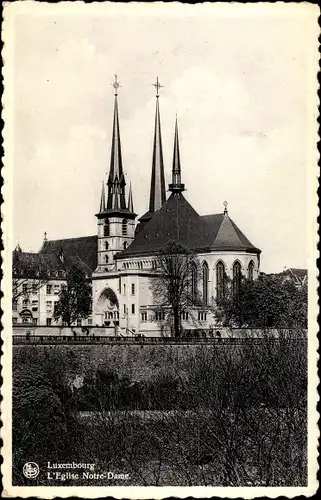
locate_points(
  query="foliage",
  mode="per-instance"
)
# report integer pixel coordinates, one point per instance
(172, 287)
(267, 302)
(27, 277)
(222, 416)
(75, 298)
(43, 421)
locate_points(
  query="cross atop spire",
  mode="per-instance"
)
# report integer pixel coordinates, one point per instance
(225, 208)
(116, 85)
(157, 86)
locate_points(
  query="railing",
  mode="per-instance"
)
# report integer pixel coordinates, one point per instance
(81, 340)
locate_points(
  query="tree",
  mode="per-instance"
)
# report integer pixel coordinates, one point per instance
(29, 273)
(75, 297)
(267, 302)
(172, 288)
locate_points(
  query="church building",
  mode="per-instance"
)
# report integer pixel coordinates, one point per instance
(121, 259)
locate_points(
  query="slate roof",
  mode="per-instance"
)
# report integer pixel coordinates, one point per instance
(177, 221)
(27, 264)
(80, 249)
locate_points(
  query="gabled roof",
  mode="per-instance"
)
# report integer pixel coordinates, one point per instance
(82, 249)
(178, 221)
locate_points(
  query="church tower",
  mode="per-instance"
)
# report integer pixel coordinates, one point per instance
(157, 195)
(116, 218)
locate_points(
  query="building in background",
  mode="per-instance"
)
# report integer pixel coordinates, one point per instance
(121, 260)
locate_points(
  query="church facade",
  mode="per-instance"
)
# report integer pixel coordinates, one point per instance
(121, 260)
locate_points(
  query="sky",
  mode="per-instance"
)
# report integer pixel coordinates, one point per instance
(242, 83)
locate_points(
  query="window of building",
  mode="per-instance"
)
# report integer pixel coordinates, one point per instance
(106, 227)
(159, 315)
(106, 259)
(124, 308)
(133, 289)
(205, 276)
(90, 321)
(49, 289)
(251, 270)
(220, 281)
(184, 315)
(34, 321)
(124, 227)
(202, 316)
(14, 321)
(25, 288)
(133, 308)
(237, 273)
(35, 302)
(48, 321)
(106, 245)
(125, 245)
(144, 316)
(35, 309)
(194, 282)
(56, 289)
(25, 303)
(49, 304)
(34, 288)
(14, 305)
(124, 288)
(78, 322)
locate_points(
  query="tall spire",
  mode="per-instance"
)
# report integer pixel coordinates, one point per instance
(130, 205)
(102, 199)
(116, 180)
(176, 185)
(157, 195)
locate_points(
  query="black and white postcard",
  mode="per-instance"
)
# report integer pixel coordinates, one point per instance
(160, 245)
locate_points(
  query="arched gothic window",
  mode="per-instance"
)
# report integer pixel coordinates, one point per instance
(205, 276)
(220, 280)
(106, 228)
(251, 270)
(237, 273)
(194, 282)
(124, 227)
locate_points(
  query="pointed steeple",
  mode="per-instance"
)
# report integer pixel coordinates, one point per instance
(102, 199)
(116, 180)
(157, 195)
(176, 185)
(130, 205)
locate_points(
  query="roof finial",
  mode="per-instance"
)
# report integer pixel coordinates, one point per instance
(130, 205)
(102, 199)
(45, 236)
(225, 207)
(157, 86)
(116, 85)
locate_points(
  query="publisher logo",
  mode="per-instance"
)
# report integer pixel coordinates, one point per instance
(30, 470)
